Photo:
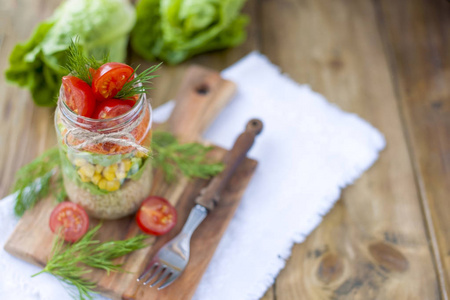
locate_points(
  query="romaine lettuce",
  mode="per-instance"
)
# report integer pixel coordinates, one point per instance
(101, 26)
(174, 30)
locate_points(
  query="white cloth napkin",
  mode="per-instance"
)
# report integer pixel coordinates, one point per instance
(308, 151)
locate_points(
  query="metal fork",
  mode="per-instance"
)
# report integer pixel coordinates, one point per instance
(170, 261)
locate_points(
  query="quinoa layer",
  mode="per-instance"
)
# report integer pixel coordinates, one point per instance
(113, 205)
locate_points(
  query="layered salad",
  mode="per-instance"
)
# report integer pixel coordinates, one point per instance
(103, 123)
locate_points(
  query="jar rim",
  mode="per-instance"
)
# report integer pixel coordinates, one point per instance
(100, 125)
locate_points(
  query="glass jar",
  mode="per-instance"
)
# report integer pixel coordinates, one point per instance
(105, 163)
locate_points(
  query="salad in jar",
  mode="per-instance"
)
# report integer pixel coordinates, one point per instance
(103, 123)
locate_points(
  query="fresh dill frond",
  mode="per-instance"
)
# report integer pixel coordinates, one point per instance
(33, 180)
(137, 85)
(188, 159)
(70, 262)
(80, 65)
(59, 189)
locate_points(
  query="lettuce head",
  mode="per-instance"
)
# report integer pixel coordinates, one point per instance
(174, 30)
(101, 27)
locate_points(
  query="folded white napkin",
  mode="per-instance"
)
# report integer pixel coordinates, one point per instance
(308, 151)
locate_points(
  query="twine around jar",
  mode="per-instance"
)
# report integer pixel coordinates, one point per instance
(122, 138)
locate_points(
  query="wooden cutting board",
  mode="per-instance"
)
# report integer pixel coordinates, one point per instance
(203, 93)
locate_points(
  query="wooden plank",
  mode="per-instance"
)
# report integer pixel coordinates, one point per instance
(373, 244)
(195, 107)
(269, 295)
(416, 37)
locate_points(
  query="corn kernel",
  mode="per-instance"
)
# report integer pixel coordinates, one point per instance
(87, 170)
(98, 169)
(120, 174)
(123, 168)
(113, 185)
(96, 178)
(112, 167)
(109, 175)
(127, 164)
(102, 183)
(79, 162)
(120, 167)
(140, 154)
(84, 178)
(110, 172)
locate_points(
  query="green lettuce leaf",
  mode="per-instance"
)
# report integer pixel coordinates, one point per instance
(174, 30)
(101, 26)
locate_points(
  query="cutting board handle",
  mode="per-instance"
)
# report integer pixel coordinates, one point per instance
(201, 96)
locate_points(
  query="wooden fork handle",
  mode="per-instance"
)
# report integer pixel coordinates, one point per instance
(209, 196)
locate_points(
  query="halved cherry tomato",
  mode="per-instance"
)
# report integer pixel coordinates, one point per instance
(71, 218)
(78, 96)
(109, 79)
(112, 108)
(156, 216)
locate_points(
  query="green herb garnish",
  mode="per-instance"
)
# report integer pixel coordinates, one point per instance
(33, 180)
(80, 65)
(189, 159)
(69, 263)
(136, 85)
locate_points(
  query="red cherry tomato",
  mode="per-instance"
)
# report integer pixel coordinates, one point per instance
(78, 96)
(71, 218)
(156, 216)
(109, 79)
(112, 108)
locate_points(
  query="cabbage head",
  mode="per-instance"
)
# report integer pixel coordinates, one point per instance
(174, 30)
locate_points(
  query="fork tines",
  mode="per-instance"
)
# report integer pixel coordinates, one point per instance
(160, 272)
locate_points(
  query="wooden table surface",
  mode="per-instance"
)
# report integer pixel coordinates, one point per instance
(388, 237)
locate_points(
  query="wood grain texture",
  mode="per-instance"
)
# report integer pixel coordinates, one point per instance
(32, 238)
(416, 37)
(201, 96)
(373, 244)
(385, 60)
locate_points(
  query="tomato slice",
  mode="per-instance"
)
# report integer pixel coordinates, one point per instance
(78, 96)
(156, 216)
(109, 79)
(112, 108)
(72, 218)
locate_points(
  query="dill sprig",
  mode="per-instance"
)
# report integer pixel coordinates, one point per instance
(137, 85)
(80, 65)
(33, 180)
(70, 262)
(59, 190)
(188, 159)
